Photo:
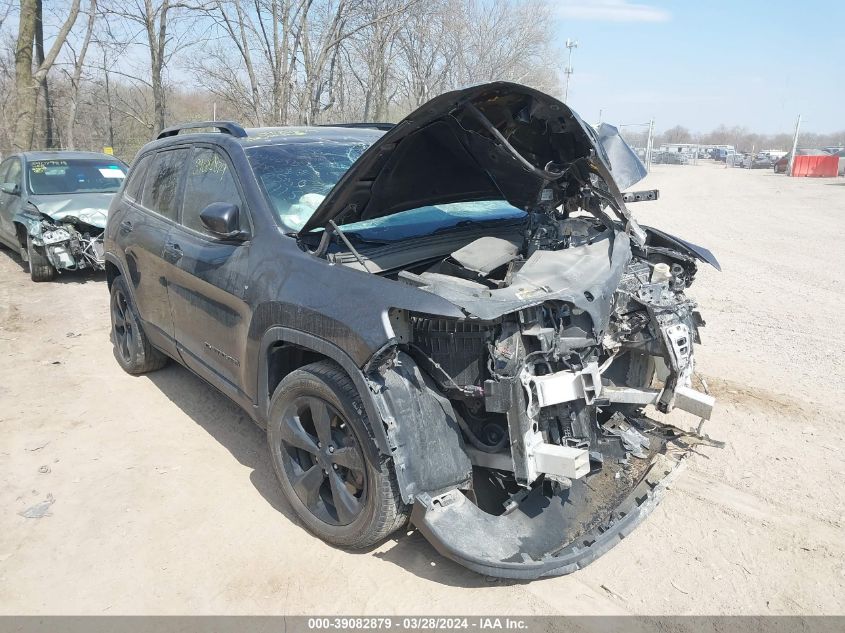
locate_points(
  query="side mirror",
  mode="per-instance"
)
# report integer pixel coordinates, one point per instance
(11, 188)
(223, 219)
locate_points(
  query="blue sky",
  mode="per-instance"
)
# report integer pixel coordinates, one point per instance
(755, 63)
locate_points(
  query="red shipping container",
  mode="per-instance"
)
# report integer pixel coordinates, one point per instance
(820, 166)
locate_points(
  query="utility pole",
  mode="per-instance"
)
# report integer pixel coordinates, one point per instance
(649, 145)
(570, 44)
(794, 146)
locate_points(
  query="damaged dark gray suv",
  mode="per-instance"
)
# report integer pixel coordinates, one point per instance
(457, 321)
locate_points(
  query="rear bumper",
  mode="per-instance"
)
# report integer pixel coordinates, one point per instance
(526, 543)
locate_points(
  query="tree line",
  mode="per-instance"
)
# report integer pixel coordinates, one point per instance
(744, 140)
(84, 74)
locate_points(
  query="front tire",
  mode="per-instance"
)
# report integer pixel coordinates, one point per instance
(132, 348)
(40, 268)
(319, 437)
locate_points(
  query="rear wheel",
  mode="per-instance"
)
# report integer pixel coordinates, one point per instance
(132, 349)
(319, 436)
(40, 268)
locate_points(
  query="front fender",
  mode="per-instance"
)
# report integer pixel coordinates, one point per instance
(412, 422)
(321, 346)
(30, 219)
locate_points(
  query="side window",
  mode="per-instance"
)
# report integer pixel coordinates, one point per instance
(14, 173)
(4, 168)
(209, 180)
(136, 179)
(161, 186)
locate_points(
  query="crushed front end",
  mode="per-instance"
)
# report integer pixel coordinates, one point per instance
(551, 399)
(520, 430)
(72, 245)
(70, 241)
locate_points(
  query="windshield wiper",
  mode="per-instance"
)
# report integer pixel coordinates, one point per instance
(470, 224)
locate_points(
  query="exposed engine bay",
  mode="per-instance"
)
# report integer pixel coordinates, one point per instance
(552, 399)
(71, 244)
(547, 391)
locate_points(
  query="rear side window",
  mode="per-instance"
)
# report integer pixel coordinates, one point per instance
(161, 186)
(136, 178)
(209, 180)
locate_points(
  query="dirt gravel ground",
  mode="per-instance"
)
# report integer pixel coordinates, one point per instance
(165, 501)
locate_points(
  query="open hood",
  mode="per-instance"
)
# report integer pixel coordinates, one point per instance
(497, 141)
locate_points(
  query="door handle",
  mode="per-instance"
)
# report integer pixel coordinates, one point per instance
(126, 226)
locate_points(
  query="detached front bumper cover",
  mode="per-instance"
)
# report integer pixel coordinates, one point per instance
(533, 541)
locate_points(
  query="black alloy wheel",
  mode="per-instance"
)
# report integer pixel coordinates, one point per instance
(327, 463)
(124, 335)
(322, 460)
(133, 351)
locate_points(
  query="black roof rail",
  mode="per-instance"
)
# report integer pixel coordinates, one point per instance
(375, 126)
(225, 127)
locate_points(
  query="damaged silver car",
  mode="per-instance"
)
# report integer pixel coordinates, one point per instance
(53, 208)
(456, 321)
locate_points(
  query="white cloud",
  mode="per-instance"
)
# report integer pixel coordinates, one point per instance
(610, 11)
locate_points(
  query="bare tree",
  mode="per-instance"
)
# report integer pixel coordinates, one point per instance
(271, 62)
(375, 46)
(28, 80)
(256, 61)
(324, 29)
(677, 134)
(500, 40)
(425, 51)
(152, 24)
(281, 41)
(232, 17)
(76, 76)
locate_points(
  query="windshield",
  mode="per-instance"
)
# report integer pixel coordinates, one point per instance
(433, 219)
(297, 176)
(75, 175)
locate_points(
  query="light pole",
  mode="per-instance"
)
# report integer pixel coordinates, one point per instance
(570, 44)
(791, 163)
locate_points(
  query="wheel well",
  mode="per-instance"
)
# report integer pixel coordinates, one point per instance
(112, 273)
(283, 358)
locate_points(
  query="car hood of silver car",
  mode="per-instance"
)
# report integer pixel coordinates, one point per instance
(89, 208)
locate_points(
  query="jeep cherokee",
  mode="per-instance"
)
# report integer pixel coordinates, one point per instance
(456, 321)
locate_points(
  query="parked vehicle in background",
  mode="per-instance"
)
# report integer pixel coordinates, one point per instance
(736, 159)
(669, 158)
(53, 208)
(761, 161)
(841, 154)
(782, 164)
(458, 320)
